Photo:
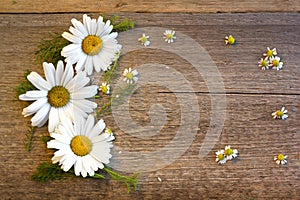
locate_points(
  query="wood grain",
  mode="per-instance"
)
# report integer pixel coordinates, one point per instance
(251, 96)
(193, 6)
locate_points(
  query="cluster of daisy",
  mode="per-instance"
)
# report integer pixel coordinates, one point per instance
(222, 156)
(168, 36)
(62, 98)
(270, 60)
(280, 114)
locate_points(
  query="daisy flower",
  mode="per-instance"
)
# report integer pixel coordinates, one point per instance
(61, 95)
(81, 144)
(276, 63)
(220, 157)
(281, 159)
(169, 36)
(108, 131)
(229, 40)
(130, 76)
(270, 52)
(280, 114)
(264, 63)
(105, 88)
(230, 153)
(144, 40)
(93, 45)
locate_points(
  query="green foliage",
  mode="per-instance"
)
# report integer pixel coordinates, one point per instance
(128, 181)
(119, 25)
(30, 134)
(49, 49)
(24, 86)
(46, 139)
(47, 171)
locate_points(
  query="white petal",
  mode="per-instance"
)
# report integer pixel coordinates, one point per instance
(89, 65)
(85, 105)
(53, 119)
(68, 74)
(76, 32)
(41, 116)
(79, 26)
(89, 124)
(59, 72)
(80, 64)
(78, 166)
(33, 95)
(34, 107)
(86, 92)
(97, 129)
(78, 82)
(72, 38)
(69, 162)
(49, 71)
(38, 81)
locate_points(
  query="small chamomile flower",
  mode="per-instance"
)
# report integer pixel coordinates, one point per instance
(264, 63)
(108, 131)
(220, 157)
(230, 153)
(169, 36)
(276, 63)
(130, 76)
(105, 88)
(270, 52)
(144, 40)
(281, 159)
(229, 40)
(280, 114)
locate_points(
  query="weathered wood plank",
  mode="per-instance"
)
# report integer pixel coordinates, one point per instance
(195, 6)
(252, 95)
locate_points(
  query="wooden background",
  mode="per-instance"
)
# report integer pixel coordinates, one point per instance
(251, 94)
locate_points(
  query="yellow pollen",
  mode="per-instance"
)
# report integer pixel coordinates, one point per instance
(275, 63)
(279, 113)
(230, 39)
(280, 157)
(263, 63)
(269, 53)
(221, 156)
(92, 45)
(169, 36)
(129, 75)
(58, 96)
(228, 152)
(81, 145)
(143, 39)
(104, 88)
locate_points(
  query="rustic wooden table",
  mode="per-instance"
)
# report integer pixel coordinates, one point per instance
(251, 96)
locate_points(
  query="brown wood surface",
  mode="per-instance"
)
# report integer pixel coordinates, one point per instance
(196, 6)
(251, 96)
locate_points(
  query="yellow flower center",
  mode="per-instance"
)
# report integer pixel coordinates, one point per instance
(143, 39)
(169, 36)
(109, 131)
(228, 152)
(275, 63)
(58, 96)
(269, 53)
(264, 63)
(280, 157)
(104, 88)
(230, 39)
(221, 156)
(81, 145)
(279, 113)
(129, 75)
(92, 45)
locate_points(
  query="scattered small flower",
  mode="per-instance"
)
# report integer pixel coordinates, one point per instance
(169, 36)
(108, 131)
(105, 88)
(130, 76)
(230, 153)
(276, 63)
(281, 159)
(270, 52)
(220, 157)
(264, 63)
(159, 179)
(280, 114)
(144, 40)
(229, 40)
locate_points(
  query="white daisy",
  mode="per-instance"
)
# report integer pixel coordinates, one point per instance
(230, 153)
(61, 95)
(281, 159)
(276, 63)
(270, 52)
(229, 40)
(169, 36)
(220, 157)
(105, 88)
(144, 40)
(264, 63)
(93, 45)
(81, 144)
(280, 114)
(130, 76)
